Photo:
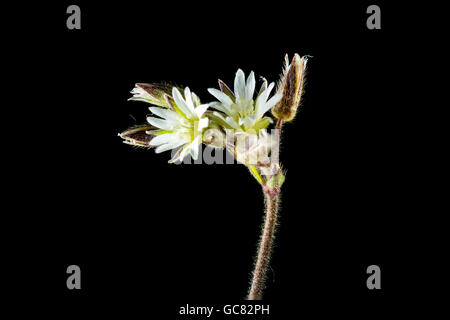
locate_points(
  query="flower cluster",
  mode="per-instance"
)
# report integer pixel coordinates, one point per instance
(181, 123)
(237, 110)
(180, 120)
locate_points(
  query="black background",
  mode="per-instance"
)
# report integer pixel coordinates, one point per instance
(149, 236)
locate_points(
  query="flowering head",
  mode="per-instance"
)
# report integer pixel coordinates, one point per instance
(180, 125)
(238, 110)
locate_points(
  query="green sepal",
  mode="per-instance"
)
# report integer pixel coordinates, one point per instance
(225, 89)
(262, 123)
(276, 181)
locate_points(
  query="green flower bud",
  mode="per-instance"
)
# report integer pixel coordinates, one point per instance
(276, 181)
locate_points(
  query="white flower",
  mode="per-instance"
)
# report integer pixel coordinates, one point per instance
(181, 125)
(252, 149)
(238, 110)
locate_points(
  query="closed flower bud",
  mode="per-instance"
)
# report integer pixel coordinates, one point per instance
(214, 137)
(291, 87)
(276, 181)
(153, 93)
(138, 135)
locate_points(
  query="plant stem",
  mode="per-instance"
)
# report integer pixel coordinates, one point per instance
(272, 197)
(279, 124)
(276, 145)
(271, 200)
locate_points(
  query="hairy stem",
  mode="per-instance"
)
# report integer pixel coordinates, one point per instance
(271, 200)
(272, 197)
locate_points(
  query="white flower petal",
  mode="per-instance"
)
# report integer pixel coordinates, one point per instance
(221, 107)
(160, 123)
(163, 148)
(274, 100)
(165, 113)
(196, 99)
(267, 92)
(176, 143)
(222, 97)
(188, 98)
(184, 152)
(269, 104)
(162, 139)
(194, 148)
(262, 98)
(231, 122)
(239, 84)
(200, 110)
(181, 103)
(173, 143)
(250, 86)
(202, 124)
